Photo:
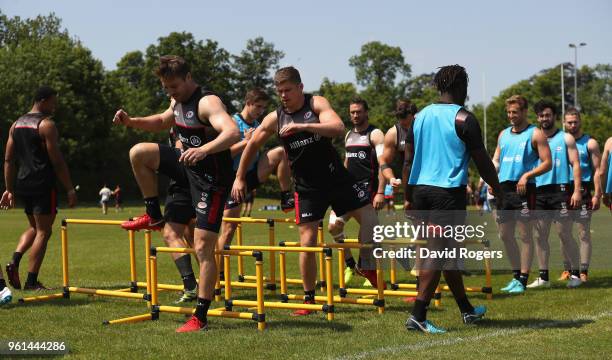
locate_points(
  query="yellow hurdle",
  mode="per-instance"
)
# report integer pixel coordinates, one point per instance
(127, 293)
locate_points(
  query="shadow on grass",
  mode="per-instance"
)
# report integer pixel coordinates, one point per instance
(54, 302)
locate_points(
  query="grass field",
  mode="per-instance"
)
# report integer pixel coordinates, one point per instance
(544, 324)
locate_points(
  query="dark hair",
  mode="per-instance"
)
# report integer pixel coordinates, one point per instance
(43, 93)
(288, 73)
(573, 111)
(255, 95)
(452, 79)
(405, 107)
(172, 66)
(543, 104)
(360, 101)
(518, 99)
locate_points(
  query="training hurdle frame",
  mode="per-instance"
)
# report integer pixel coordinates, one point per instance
(128, 293)
(328, 300)
(271, 280)
(156, 309)
(395, 286)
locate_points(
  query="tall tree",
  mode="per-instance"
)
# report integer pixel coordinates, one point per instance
(253, 67)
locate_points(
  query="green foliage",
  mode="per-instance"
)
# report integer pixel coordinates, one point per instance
(253, 68)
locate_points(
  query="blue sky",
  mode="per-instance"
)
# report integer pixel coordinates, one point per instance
(508, 41)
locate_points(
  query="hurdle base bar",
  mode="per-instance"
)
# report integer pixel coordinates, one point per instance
(337, 299)
(41, 298)
(385, 292)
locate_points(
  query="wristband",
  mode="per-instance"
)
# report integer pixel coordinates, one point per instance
(384, 166)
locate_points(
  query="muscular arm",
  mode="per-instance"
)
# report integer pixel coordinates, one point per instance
(593, 148)
(389, 144)
(603, 169)
(541, 145)
(268, 127)
(329, 125)
(211, 108)
(497, 153)
(152, 123)
(572, 154)
(48, 132)
(377, 138)
(9, 163)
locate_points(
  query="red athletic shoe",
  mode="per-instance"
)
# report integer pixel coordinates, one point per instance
(193, 324)
(303, 312)
(409, 299)
(370, 275)
(143, 222)
(12, 272)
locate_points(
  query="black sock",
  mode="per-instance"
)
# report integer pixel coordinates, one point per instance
(310, 295)
(567, 266)
(419, 311)
(17, 258)
(152, 208)
(523, 279)
(221, 276)
(2, 284)
(584, 269)
(544, 275)
(202, 308)
(183, 265)
(32, 278)
(516, 274)
(350, 262)
(464, 305)
(417, 283)
(575, 273)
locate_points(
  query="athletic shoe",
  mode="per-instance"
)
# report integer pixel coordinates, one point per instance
(518, 288)
(409, 299)
(574, 281)
(425, 326)
(538, 283)
(6, 296)
(510, 285)
(348, 275)
(143, 222)
(564, 276)
(474, 316)
(303, 312)
(36, 287)
(188, 296)
(584, 277)
(287, 201)
(193, 324)
(12, 273)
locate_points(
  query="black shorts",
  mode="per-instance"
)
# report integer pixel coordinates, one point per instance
(584, 213)
(436, 208)
(553, 201)
(515, 206)
(40, 204)
(179, 207)
(311, 205)
(206, 198)
(370, 187)
(252, 182)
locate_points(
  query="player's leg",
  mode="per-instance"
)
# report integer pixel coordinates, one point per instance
(44, 224)
(228, 229)
(276, 160)
(25, 243)
(564, 229)
(542, 249)
(209, 213)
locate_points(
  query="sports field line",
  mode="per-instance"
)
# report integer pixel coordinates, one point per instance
(393, 350)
